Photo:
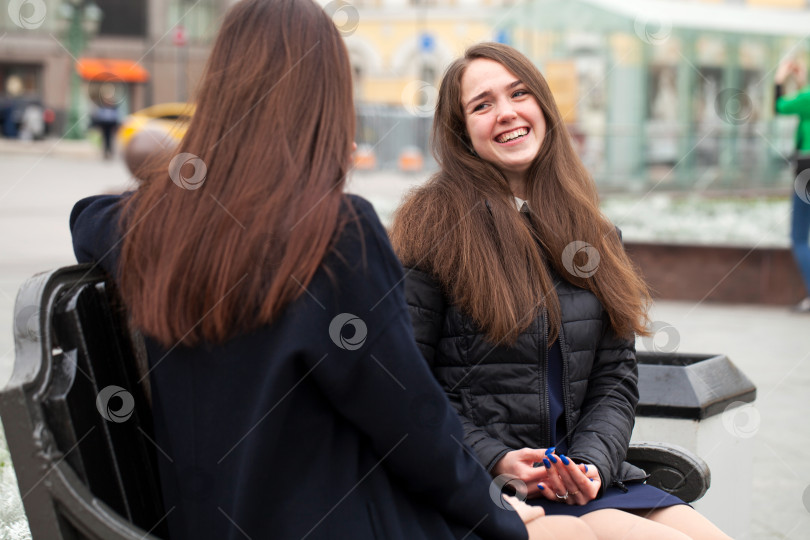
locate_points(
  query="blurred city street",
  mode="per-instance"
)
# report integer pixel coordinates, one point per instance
(769, 344)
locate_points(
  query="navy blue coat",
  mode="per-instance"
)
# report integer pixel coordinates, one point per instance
(286, 432)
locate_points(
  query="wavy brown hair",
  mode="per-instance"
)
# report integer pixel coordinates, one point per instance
(462, 226)
(274, 124)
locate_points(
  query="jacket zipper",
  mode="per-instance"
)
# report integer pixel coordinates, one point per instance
(565, 385)
(619, 484)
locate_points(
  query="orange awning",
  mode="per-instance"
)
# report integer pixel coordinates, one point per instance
(109, 69)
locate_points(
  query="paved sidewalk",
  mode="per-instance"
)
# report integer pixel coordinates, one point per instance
(770, 345)
(61, 148)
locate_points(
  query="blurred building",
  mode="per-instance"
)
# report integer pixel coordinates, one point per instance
(152, 50)
(670, 94)
(399, 50)
(675, 94)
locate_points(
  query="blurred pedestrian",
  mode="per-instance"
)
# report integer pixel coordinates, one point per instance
(798, 103)
(106, 118)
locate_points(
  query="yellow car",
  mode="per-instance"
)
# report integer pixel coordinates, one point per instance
(170, 118)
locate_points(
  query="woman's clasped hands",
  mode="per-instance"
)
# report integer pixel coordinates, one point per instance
(552, 476)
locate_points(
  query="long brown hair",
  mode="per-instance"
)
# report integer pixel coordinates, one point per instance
(462, 225)
(273, 125)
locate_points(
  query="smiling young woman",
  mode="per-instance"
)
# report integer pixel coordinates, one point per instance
(533, 345)
(504, 121)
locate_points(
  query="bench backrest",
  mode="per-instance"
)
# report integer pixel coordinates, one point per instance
(76, 414)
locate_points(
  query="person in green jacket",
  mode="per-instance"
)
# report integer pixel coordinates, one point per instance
(798, 103)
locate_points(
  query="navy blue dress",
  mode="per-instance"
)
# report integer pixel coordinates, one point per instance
(637, 497)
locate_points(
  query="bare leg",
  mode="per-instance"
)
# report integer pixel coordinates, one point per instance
(559, 528)
(613, 524)
(689, 521)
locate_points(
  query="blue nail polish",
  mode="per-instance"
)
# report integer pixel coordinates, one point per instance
(546, 463)
(586, 468)
(550, 450)
(541, 487)
(565, 460)
(591, 479)
(552, 458)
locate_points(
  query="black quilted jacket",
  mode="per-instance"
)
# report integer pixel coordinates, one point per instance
(500, 392)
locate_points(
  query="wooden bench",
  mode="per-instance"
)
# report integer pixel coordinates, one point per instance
(79, 428)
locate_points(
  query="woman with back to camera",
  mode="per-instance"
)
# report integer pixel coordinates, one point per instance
(525, 304)
(285, 395)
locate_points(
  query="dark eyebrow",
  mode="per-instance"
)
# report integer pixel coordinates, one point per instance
(486, 93)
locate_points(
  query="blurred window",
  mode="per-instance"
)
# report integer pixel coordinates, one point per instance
(200, 18)
(20, 79)
(122, 18)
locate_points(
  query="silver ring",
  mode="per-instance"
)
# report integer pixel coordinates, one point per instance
(562, 497)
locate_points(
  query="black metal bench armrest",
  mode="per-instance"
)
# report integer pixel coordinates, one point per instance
(81, 476)
(672, 468)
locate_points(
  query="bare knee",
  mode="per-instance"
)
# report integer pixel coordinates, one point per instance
(689, 521)
(619, 525)
(559, 527)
